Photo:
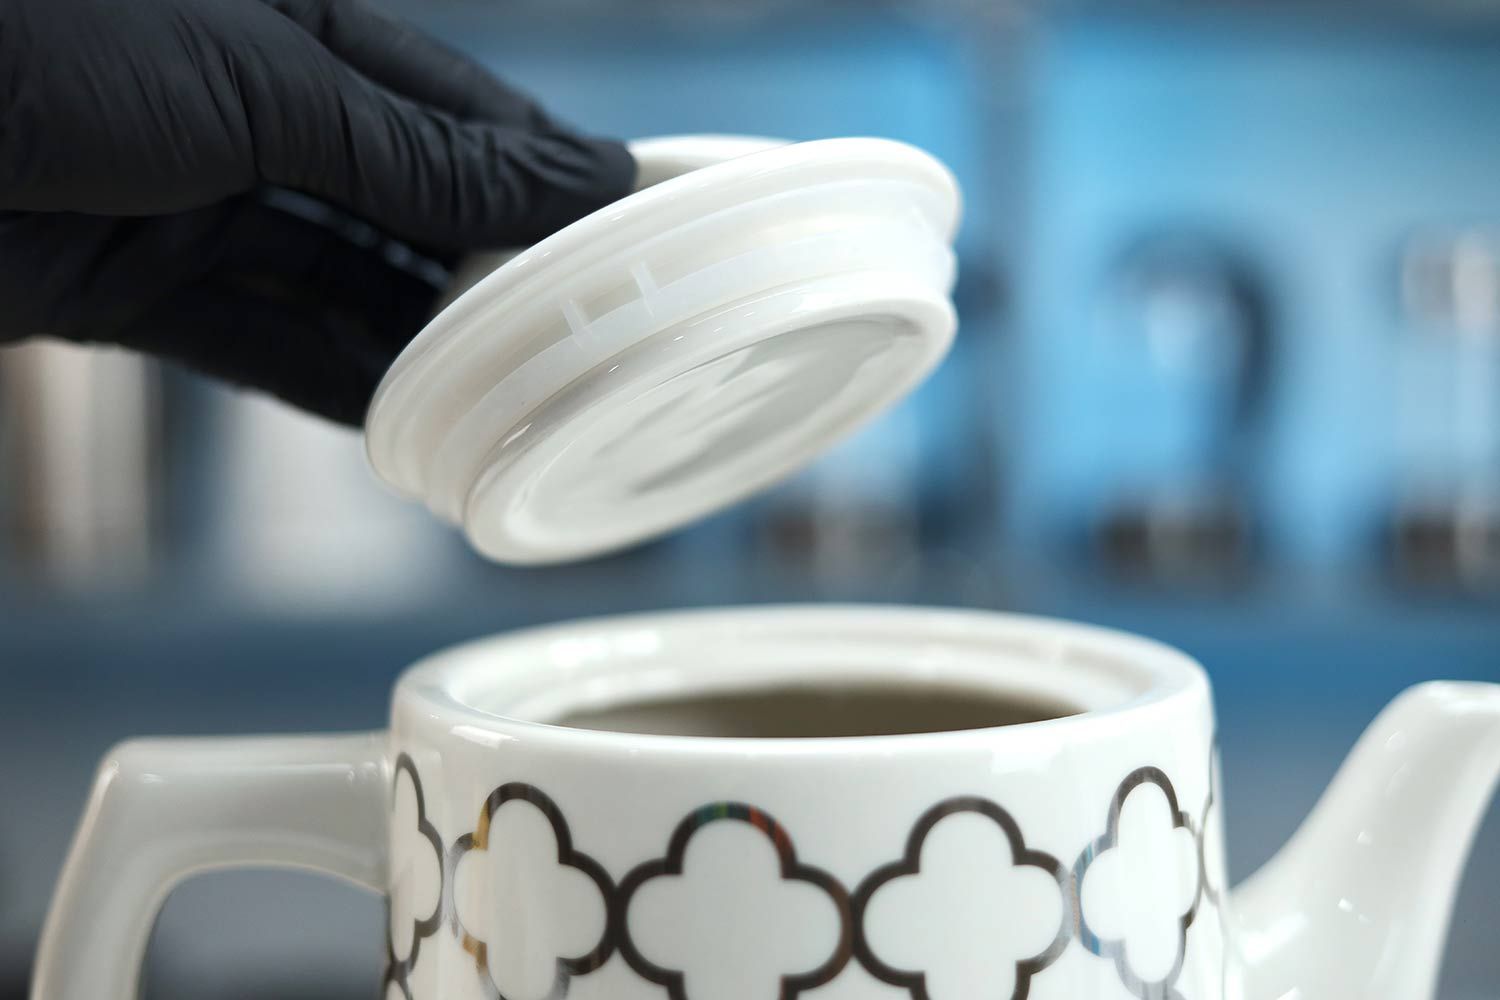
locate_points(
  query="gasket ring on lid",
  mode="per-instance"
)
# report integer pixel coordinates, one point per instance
(774, 194)
(552, 492)
(652, 307)
(676, 351)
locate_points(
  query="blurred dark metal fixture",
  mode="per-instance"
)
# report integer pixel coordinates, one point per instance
(1177, 538)
(855, 513)
(1450, 282)
(1447, 529)
(1191, 318)
(82, 439)
(1452, 545)
(834, 544)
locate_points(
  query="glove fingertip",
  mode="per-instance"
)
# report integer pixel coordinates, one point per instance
(561, 177)
(614, 171)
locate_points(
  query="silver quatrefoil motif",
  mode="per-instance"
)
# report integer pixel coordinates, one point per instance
(1138, 886)
(532, 911)
(732, 870)
(992, 912)
(415, 885)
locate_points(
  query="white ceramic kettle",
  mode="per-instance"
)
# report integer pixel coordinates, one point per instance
(526, 856)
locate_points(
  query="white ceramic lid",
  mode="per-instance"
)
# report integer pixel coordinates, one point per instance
(671, 354)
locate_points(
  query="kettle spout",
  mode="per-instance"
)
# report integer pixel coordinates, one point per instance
(1357, 903)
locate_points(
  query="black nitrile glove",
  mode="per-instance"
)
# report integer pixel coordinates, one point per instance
(146, 148)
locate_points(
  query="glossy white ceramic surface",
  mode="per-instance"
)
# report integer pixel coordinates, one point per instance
(1077, 857)
(678, 350)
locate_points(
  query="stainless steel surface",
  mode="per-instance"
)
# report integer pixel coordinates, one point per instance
(82, 452)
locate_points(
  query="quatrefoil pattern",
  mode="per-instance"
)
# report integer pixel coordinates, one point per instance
(732, 867)
(415, 883)
(531, 911)
(534, 912)
(1010, 925)
(1138, 885)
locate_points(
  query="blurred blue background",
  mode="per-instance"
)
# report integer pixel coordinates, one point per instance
(1227, 374)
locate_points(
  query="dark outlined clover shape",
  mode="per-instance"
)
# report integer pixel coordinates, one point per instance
(1208, 834)
(408, 839)
(792, 983)
(910, 865)
(470, 844)
(1162, 988)
(394, 989)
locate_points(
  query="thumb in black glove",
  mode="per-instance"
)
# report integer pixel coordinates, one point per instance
(138, 141)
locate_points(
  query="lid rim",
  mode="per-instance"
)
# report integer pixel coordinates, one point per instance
(933, 322)
(707, 182)
(574, 342)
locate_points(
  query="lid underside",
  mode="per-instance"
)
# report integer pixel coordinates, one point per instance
(737, 323)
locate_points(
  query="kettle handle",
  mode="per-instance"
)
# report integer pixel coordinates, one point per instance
(161, 810)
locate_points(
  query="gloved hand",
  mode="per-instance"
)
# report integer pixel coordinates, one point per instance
(146, 149)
